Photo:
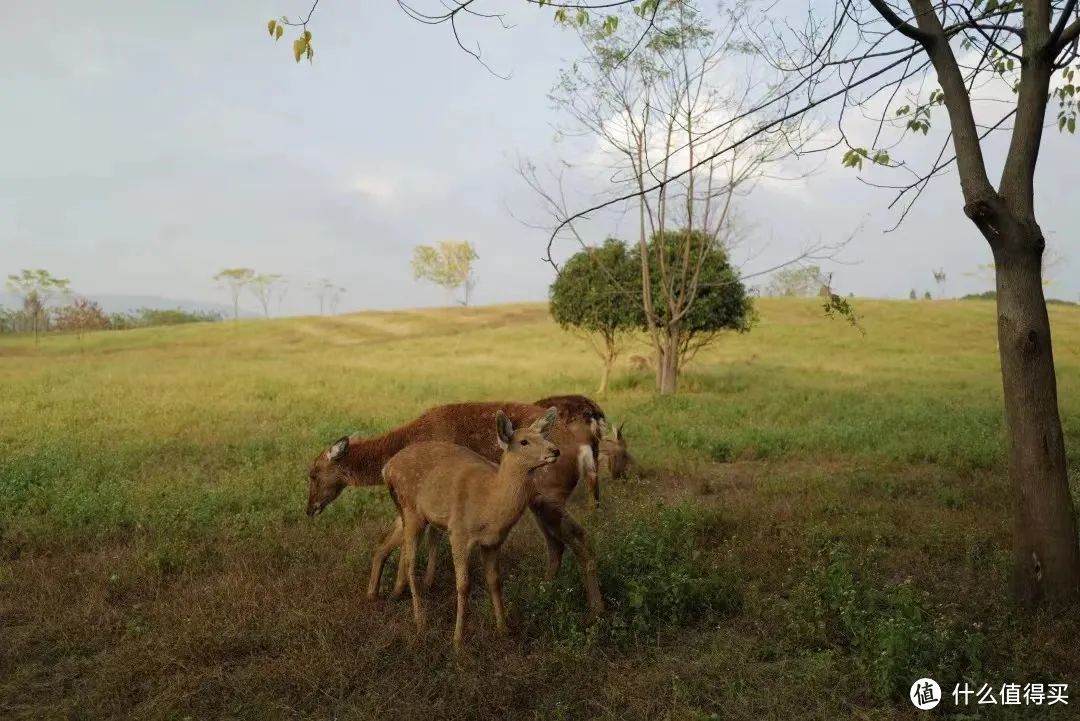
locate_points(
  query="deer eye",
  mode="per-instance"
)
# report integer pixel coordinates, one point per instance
(524, 442)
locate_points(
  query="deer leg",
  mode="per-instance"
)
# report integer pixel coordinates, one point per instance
(494, 584)
(571, 532)
(378, 560)
(592, 480)
(460, 551)
(412, 531)
(432, 557)
(555, 546)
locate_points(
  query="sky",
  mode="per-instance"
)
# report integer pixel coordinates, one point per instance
(146, 146)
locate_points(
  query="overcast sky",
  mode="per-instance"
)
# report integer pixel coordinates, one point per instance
(146, 145)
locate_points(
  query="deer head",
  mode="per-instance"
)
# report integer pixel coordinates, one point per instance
(528, 445)
(327, 477)
(614, 450)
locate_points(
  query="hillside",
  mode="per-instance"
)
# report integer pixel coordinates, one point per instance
(817, 504)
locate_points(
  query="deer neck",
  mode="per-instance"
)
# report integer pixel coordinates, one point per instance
(513, 489)
(366, 457)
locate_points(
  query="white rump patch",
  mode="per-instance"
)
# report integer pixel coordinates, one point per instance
(585, 462)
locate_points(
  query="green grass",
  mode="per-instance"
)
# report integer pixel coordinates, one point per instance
(816, 520)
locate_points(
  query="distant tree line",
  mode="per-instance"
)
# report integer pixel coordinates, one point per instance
(48, 305)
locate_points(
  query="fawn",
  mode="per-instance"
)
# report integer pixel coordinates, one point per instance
(359, 462)
(477, 502)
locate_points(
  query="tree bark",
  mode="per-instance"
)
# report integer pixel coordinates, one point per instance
(668, 362)
(1046, 553)
(604, 375)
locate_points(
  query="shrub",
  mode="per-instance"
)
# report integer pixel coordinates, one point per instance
(893, 633)
(150, 317)
(655, 576)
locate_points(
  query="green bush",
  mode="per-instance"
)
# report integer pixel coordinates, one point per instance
(893, 634)
(655, 576)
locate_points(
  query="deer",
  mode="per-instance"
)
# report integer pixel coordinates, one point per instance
(582, 409)
(613, 453)
(610, 450)
(474, 500)
(359, 462)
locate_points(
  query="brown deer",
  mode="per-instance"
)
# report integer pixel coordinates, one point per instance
(359, 462)
(613, 453)
(582, 409)
(475, 501)
(609, 450)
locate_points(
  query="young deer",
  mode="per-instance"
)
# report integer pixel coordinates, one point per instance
(477, 502)
(359, 462)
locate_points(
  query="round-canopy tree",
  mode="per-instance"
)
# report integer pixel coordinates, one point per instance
(696, 295)
(599, 292)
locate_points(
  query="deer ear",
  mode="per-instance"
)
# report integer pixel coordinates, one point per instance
(337, 451)
(504, 429)
(543, 424)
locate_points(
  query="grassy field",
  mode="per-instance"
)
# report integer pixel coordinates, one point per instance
(818, 519)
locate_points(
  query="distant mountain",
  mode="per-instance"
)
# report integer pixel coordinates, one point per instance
(120, 303)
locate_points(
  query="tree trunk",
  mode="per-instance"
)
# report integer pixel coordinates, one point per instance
(604, 375)
(668, 362)
(1046, 553)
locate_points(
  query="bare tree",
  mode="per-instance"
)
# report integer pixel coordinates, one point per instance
(939, 280)
(280, 291)
(333, 297)
(654, 110)
(878, 59)
(876, 56)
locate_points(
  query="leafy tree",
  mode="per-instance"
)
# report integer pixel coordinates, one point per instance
(235, 279)
(804, 281)
(926, 295)
(661, 101)
(37, 288)
(597, 292)
(719, 303)
(867, 57)
(912, 295)
(265, 287)
(8, 320)
(80, 316)
(885, 58)
(448, 264)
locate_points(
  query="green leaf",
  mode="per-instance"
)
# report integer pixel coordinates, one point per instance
(1010, 64)
(307, 36)
(582, 18)
(1061, 122)
(278, 32)
(271, 27)
(560, 15)
(881, 157)
(310, 51)
(991, 6)
(1072, 124)
(299, 47)
(903, 110)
